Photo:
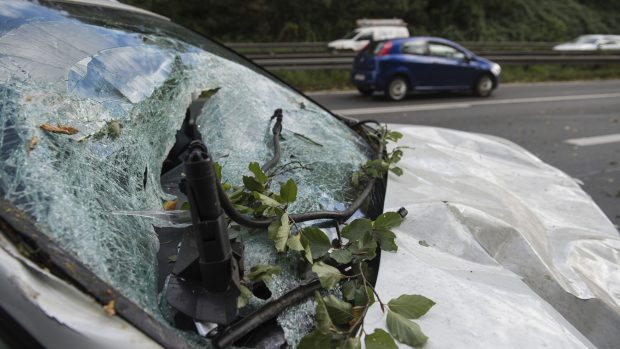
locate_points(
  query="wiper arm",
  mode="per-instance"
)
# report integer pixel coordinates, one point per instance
(230, 334)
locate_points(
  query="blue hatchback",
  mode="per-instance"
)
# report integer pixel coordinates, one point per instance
(423, 64)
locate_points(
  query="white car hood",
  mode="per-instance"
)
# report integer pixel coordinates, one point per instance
(508, 247)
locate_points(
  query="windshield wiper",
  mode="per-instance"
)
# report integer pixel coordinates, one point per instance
(224, 338)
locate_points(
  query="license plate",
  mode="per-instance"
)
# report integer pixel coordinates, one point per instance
(359, 77)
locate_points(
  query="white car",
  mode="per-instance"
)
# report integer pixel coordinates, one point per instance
(593, 42)
(357, 39)
(98, 103)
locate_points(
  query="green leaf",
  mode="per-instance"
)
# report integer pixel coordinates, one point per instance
(258, 173)
(263, 272)
(387, 221)
(405, 330)
(397, 170)
(278, 231)
(356, 229)
(352, 343)
(301, 244)
(265, 200)
(314, 340)
(288, 191)
(323, 320)
(348, 290)
(244, 297)
(243, 209)
(339, 310)
(294, 243)
(218, 170)
(364, 249)
(386, 239)
(363, 297)
(318, 240)
(328, 275)
(341, 256)
(253, 184)
(376, 168)
(379, 340)
(307, 250)
(393, 136)
(411, 306)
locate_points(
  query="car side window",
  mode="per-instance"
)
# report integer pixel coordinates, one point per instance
(445, 51)
(414, 48)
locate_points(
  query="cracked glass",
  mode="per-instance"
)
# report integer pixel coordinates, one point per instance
(89, 108)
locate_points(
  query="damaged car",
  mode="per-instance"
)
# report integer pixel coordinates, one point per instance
(159, 190)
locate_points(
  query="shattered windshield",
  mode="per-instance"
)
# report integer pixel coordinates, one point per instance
(89, 108)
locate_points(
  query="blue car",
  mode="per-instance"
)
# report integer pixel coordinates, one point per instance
(399, 66)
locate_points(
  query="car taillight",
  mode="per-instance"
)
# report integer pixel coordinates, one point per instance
(385, 48)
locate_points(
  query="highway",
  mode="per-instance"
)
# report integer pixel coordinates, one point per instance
(574, 126)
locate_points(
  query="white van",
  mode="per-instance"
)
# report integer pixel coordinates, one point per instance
(370, 30)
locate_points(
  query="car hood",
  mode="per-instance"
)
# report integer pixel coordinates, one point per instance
(512, 250)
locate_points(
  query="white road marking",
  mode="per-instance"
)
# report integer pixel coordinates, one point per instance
(442, 106)
(585, 141)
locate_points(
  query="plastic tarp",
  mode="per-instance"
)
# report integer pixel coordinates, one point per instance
(513, 251)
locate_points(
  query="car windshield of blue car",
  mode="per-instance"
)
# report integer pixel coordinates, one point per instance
(90, 101)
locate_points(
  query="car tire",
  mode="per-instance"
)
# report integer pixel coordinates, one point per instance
(484, 86)
(397, 88)
(365, 91)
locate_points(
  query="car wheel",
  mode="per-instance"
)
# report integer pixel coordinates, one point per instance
(397, 89)
(484, 86)
(365, 91)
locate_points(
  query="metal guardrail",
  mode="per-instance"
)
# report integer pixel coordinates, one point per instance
(308, 45)
(314, 55)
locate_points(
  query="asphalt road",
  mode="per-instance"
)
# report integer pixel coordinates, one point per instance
(574, 126)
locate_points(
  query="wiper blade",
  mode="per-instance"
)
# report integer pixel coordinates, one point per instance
(225, 337)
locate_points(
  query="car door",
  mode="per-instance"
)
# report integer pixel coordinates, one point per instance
(414, 56)
(450, 67)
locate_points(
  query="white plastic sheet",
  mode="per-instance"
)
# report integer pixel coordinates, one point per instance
(512, 243)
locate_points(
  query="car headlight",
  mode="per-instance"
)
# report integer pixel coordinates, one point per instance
(496, 69)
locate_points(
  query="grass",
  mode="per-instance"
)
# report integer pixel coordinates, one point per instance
(338, 79)
(535, 73)
(316, 80)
